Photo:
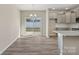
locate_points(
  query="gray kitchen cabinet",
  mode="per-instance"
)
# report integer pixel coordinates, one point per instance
(59, 18)
(68, 17)
(73, 18)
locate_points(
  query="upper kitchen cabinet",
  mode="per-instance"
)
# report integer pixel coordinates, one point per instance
(73, 17)
(53, 14)
(68, 17)
(61, 17)
(77, 12)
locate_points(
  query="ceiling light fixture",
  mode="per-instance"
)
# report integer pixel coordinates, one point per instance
(33, 13)
(66, 8)
(53, 8)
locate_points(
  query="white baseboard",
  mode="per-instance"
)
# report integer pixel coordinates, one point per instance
(9, 45)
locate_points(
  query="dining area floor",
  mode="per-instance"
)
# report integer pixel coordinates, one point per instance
(33, 45)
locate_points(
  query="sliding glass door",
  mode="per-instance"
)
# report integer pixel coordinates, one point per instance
(33, 25)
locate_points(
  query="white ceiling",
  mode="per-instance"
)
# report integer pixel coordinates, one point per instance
(45, 6)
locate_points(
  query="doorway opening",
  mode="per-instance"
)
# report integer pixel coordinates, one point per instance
(33, 26)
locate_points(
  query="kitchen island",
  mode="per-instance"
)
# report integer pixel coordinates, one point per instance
(61, 34)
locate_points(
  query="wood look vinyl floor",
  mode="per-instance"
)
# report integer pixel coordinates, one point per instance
(33, 45)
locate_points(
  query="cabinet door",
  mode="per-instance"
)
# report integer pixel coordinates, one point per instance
(68, 17)
(77, 13)
(73, 17)
(52, 15)
(59, 19)
(63, 18)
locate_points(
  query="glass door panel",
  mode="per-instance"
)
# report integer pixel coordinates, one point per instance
(33, 25)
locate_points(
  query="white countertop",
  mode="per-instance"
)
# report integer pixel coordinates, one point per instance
(68, 33)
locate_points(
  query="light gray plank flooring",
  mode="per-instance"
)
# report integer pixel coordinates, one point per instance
(71, 45)
(33, 45)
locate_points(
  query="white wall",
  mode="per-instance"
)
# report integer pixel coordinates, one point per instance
(9, 25)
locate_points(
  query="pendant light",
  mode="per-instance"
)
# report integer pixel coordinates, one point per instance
(33, 13)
